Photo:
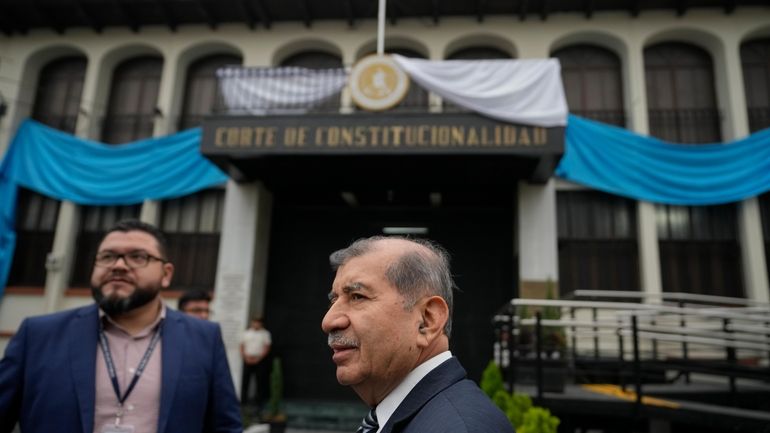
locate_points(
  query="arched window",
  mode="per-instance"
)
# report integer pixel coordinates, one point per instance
(59, 89)
(764, 207)
(473, 53)
(592, 83)
(313, 60)
(681, 96)
(131, 107)
(597, 242)
(699, 249)
(57, 103)
(755, 57)
(36, 217)
(479, 53)
(318, 60)
(192, 225)
(202, 94)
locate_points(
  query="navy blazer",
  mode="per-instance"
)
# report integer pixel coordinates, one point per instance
(47, 377)
(444, 401)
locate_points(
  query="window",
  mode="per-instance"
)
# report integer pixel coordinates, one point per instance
(132, 105)
(764, 207)
(681, 98)
(592, 83)
(36, 217)
(699, 250)
(59, 89)
(755, 56)
(318, 60)
(192, 225)
(94, 221)
(597, 242)
(57, 103)
(202, 95)
(473, 53)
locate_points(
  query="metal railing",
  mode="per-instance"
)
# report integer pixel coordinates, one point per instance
(675, 334)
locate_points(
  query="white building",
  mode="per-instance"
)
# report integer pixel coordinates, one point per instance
(695, 74)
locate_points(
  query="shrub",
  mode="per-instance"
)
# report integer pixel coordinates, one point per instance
(539, 420)
(518, 408)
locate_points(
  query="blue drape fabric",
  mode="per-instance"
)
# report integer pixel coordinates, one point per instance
(621, 162)
(65, 167)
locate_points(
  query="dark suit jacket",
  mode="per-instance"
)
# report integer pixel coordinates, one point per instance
(445, 401)
(47, 377)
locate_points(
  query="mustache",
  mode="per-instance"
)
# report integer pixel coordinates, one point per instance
(337, 338)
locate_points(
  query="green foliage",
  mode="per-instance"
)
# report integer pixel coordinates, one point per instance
(518, 408)
(553, 338)
(504, 401)
(539, 420)
(276, 390)
(492, 379)
(520, 404)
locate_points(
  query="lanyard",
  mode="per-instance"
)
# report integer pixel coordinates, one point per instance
(104, 344)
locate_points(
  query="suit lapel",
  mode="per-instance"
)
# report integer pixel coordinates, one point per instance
(442, 377)
(82, 337)
(173, 346)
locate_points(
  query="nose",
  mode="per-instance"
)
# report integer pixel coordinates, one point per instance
(334, 319)
(120, 262)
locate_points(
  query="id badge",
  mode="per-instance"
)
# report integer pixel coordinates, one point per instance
(121, 428)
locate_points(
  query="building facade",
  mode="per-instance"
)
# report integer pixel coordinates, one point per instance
(260, 243)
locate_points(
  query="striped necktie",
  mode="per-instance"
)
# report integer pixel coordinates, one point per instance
(369, 424)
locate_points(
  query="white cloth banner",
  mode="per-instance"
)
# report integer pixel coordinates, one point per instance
(278, 90)
(526, 91)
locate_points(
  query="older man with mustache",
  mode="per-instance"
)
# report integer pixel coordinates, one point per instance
(388, 325)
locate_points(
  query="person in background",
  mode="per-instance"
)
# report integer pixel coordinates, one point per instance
(125, 363)
(195, 303)
(388, 326)
(255, 348)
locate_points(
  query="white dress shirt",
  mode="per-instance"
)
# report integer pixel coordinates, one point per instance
(390, 403)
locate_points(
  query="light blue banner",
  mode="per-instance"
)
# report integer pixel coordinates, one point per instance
(621, 162)
(65, 167)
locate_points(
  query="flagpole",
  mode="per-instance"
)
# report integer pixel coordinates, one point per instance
(381, 28)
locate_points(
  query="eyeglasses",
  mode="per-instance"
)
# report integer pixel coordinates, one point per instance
(133, 259)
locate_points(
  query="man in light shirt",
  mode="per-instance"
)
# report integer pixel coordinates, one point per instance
(388, 325)
(125, 364)
(255, 348)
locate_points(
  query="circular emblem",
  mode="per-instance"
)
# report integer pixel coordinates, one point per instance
(377, 83)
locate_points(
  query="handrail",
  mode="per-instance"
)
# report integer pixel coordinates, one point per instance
(676, 296)
(721, 335)
(629, 308)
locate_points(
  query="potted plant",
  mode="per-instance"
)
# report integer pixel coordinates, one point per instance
(275, 416)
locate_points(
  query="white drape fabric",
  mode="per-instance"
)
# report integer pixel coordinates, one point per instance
(528, 92)
(278, 90)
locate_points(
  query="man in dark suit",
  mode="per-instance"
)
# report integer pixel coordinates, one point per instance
(388, 326)
(125, 364)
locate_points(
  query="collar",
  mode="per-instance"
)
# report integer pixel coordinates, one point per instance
(389, 404)
(107, 322)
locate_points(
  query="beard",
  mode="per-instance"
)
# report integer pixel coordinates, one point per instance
(114, 305)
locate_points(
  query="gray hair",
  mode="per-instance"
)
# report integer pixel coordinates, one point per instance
(415, 274)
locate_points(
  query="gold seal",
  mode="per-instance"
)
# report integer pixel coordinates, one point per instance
(377, 83)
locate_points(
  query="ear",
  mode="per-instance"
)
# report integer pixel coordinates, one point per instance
(435, 313)
(168, 274)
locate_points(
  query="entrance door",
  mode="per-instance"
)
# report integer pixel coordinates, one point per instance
(476, 228)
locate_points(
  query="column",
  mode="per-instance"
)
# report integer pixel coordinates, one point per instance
(729, 78)
(537, 233)
(636, 109)
(242, 263)
(60, 260)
